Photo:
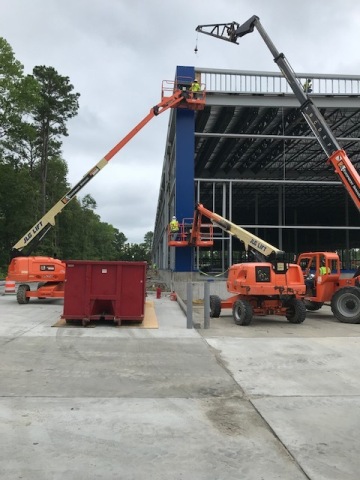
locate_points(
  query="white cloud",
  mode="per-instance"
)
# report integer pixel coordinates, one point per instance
(117, 53)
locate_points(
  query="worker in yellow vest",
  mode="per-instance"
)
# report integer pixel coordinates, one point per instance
(195, 88)
(174, 228)
(323, 270)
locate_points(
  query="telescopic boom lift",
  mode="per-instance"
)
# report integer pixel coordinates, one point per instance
(31, 239)
(343, 294)
(50, 272)
(337, 157)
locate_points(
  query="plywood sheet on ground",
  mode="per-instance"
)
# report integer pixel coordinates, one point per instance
(150, 320)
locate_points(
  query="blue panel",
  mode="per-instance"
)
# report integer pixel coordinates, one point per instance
(184, 182)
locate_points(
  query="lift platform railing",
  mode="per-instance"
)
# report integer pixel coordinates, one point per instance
(194, 100)
(182, 238)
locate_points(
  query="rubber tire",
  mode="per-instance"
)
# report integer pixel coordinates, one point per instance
(215, 306)
(295, 310)
(242, 313)
(21, 294)
(313, 306)
(345, 305)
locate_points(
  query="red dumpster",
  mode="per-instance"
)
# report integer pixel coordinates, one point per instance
(98, 290)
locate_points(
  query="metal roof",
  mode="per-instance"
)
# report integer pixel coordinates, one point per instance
(269, 142)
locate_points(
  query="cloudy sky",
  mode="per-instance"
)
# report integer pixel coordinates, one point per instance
(117, 52)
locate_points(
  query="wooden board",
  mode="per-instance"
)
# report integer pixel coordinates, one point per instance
(150, 321)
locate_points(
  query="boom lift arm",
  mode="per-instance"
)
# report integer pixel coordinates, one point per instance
(263, 251)
(337, 157)
(32, 238)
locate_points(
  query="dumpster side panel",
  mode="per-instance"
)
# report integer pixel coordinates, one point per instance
(103, 279)
(76, 285)
(104, 290)
(132, 291)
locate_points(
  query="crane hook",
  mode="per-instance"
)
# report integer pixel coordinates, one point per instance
(196, 47)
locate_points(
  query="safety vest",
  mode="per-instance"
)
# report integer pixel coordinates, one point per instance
(195, 87)
(174, 226)
(324, 270)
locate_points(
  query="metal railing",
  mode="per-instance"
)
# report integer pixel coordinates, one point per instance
(243, 81)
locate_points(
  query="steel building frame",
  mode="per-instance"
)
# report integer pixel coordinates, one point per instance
(256, 162)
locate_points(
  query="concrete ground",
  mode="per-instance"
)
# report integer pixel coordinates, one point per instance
(268, 401)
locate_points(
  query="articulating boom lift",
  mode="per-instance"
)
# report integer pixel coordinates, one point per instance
(337, 157)
(344, 294)
(49, 272)
(260, 249)
(268, 286)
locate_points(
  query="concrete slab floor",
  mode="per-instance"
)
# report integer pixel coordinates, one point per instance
(263, 402)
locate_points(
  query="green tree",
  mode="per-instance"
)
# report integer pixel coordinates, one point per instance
(148, 240)
(134, 252)
(34, 110)
(11, 77)
(119, 243)
(18, 95)
(57, 105)
(70, 231)
(103, 237)
(57, 171)
(16, 206)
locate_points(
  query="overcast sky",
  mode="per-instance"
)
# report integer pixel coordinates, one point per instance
(117, 52)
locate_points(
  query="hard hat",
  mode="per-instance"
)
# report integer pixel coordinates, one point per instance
(195, 80)
(174, 218)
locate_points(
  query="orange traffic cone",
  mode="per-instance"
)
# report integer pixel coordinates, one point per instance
(9, 287)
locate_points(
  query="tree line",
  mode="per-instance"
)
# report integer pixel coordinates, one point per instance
(34, 110)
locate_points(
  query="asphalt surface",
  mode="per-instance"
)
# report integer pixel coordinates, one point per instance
(268, 401)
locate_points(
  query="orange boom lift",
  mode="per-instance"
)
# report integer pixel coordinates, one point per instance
(269, 285)
(48, 273)
(343, 294)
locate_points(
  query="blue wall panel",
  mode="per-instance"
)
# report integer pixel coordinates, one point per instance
(184, 183)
